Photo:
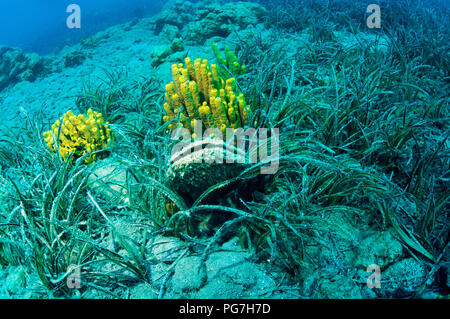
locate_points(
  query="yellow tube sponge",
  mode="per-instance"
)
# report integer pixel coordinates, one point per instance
(199, 92)
(79, 135)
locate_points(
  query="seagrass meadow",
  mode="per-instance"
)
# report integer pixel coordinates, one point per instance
(94, 205)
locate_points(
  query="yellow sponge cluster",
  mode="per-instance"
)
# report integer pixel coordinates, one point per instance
(79, 135)
(197, 92)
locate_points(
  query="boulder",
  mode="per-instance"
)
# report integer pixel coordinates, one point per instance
(189, 275)
(402, 278)
(17, 66)
(227, 273)
(169, 33)
(73, 59)
(177, 45)
(177, 13)
(222, 20)
(380, 248)
(160, 53)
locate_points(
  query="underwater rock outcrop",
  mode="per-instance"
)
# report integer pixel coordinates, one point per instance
(199, 22)
(160, 53)
(169, 33)
(214, 20)
(177, 13)
(17, 66)
(74, 59)
(227, 273)
(403, 278)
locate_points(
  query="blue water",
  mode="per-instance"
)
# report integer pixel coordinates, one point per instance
(40, 25)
